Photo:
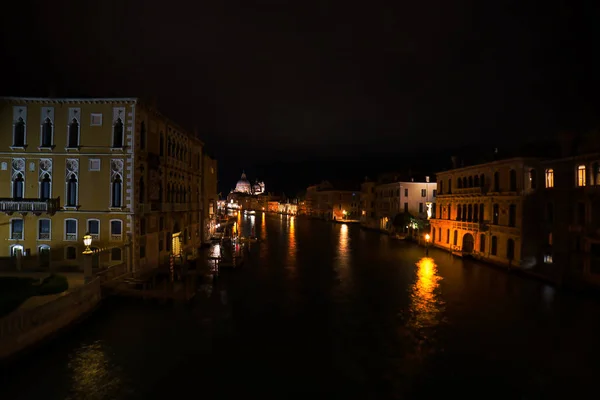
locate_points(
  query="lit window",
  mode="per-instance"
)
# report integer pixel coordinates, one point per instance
(548, 258)
(581, 175)
(550, 178)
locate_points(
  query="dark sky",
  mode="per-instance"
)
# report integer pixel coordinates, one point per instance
(303, 84)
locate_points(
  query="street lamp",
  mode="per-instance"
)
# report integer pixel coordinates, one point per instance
(87, 241)
(344, 212)
(427, 244)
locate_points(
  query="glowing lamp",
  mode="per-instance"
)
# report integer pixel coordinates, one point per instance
(87, 241)
(427, 237)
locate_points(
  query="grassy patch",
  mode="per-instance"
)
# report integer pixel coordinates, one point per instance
(15, 290)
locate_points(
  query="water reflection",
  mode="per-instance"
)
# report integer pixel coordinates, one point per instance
(93, 375)
(292, 242)
(342, 260)
(425, 306)
(263, 227)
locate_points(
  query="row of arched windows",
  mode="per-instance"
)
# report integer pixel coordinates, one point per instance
(510, 243)
(470, 212)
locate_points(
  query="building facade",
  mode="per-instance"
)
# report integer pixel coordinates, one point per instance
(326, 202)
(115, 168)
(570, 211)
(383, 202)
(488, 210)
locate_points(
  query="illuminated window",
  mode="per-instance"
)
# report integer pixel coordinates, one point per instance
(532, 179)
(581, 175)
(548, 258)
(550, 178)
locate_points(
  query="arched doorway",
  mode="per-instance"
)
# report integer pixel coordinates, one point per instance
(44, 254)
(468, 242)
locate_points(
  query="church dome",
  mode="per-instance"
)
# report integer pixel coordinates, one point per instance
(243, 185)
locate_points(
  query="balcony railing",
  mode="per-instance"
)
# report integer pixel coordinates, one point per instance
(116, 238)
(10, 206)
(71, 236)
(43, 236)
(469, 190)
(17, 235)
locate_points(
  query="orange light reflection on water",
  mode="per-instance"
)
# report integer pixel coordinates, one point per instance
(292, 242)
(425, 307)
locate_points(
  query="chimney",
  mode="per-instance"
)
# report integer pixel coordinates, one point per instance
(427, 179)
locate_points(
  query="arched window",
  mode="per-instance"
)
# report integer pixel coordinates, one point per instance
(142, 135)
(458, 212)
(476, 181)
(470, 212)
(496, 214)
(549, 178)
(142, 196)
(449, 215)
(44, 255)
(470, 181)
(116, 192)
(532, 179)
(19, 133)
(512, 215)
(447, 236)
(455, 241)
(482, 180)
(475, 213)
(494, 249)
(161, 145)
(45, 190)
(450, 186)
(72, 191)
(46, 140)
(482, 243)
(481, 209)
(464, 212)
(18, 188)
(512, 180)
(118, 134)
(510, 249)
(496, 181)
(581, 175)
(433, 236)
(73, 139)
(459, 182)
(464, 183)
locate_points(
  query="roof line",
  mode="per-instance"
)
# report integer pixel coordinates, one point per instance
(71, 99)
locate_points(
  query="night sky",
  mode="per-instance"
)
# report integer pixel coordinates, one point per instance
(310, 90)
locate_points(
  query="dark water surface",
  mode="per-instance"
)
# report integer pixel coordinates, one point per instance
(329, 311)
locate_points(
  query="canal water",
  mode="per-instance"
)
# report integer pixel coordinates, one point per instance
(329, 310)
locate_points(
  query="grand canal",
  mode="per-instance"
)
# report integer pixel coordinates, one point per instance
(329, 311)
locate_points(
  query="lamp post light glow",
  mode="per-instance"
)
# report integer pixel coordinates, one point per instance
(427, 237)
(87, 241)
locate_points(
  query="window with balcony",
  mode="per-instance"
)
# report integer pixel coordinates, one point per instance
(496, 214)
(512, 180)
(116, 195)
(72, 186)
(496, 181)
(45, 187)
(19, 133)
(116, 254)
(510, 249)
(47, 134)
(494, 247)
(118, 134)
(549, 178)
(71, 229)
(73, 137)
(71, 253)
(532, 179)
(482, 243)
(423, 192)
(116, 230)
(44, 229)
(512, 215)
(581, 175)
(18, 187)
(16, 229)
(93, 228)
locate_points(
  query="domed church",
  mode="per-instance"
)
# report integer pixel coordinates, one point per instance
(244, 186)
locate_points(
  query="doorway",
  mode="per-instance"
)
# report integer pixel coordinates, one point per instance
(467, 245)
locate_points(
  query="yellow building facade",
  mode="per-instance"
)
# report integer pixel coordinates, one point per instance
(115, 168)
(488, 211)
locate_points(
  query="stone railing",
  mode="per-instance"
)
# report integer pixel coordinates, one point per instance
(113, 272)
(29, 205)
(24, 328)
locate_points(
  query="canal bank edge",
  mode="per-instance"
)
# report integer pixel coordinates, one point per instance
(25, 329)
